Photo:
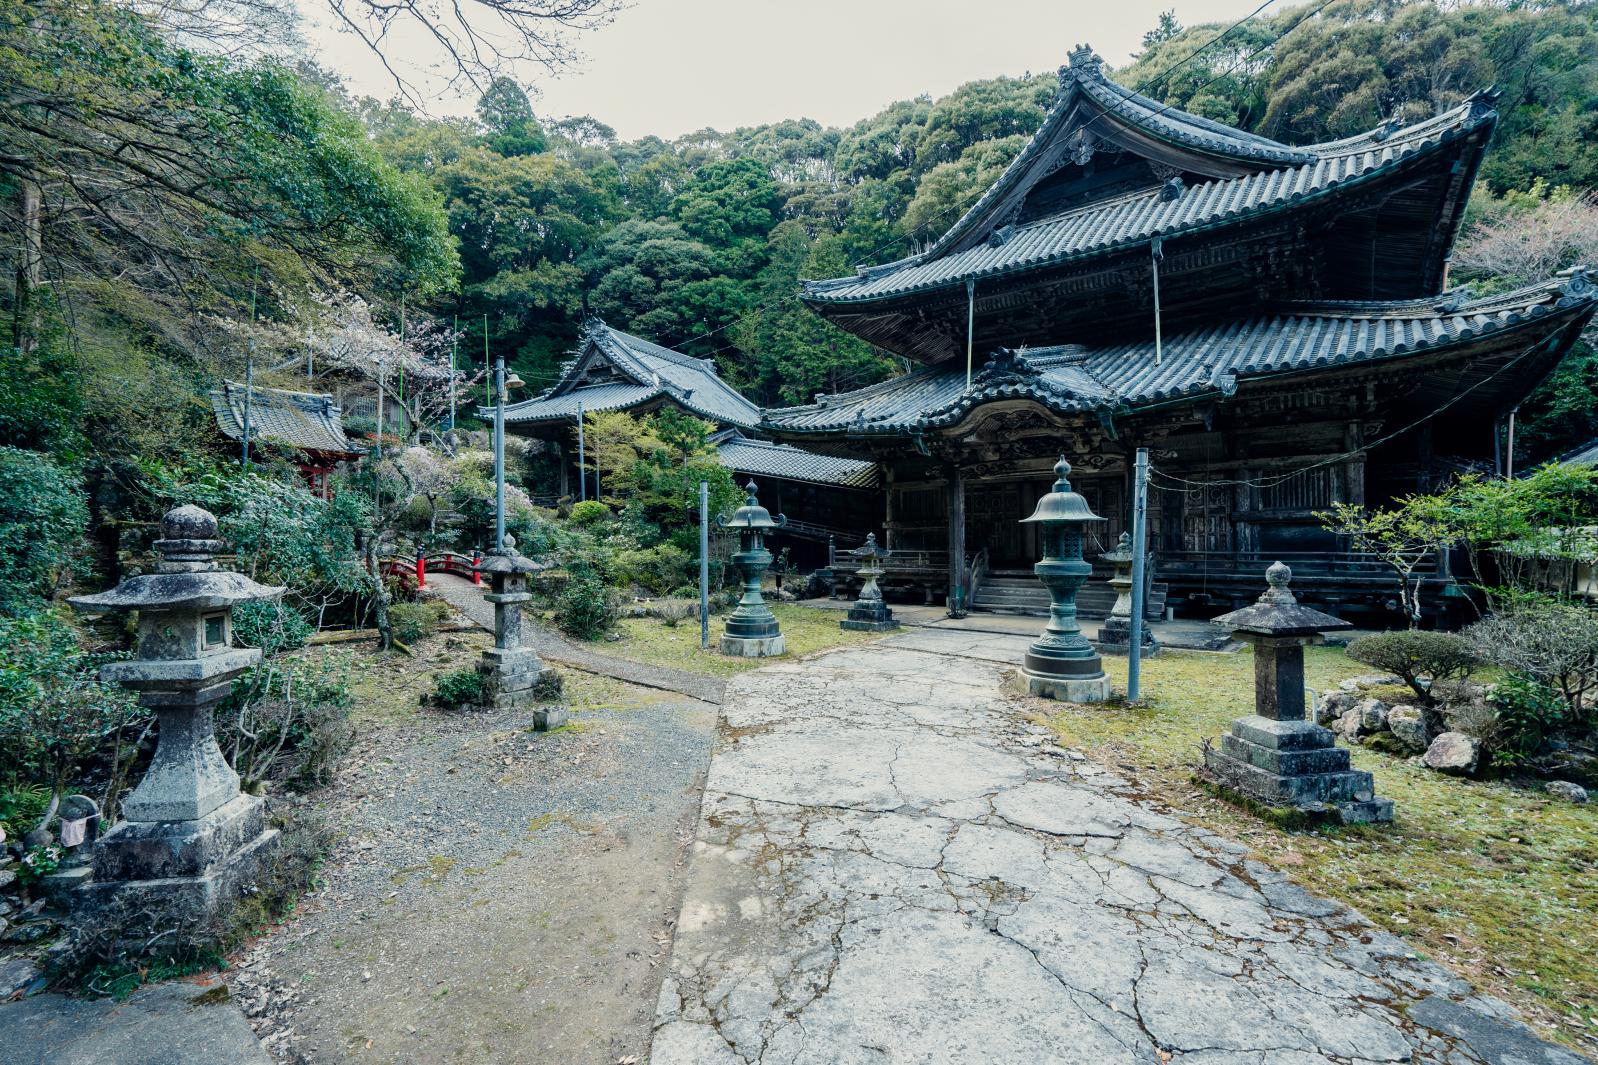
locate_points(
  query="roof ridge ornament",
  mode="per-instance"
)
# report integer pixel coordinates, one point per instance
(1081, 62)
(1484, 102)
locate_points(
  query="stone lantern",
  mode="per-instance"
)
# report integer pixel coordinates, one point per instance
(1276, 756)
(1062, 664)
(1115, 635)
(511, 672)
(870, 613)
(752, 630)
(190, 840)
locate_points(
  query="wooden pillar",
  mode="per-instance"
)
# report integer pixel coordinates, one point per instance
(565, 473)
(956, 498)
(1354, 468)
(890, 535)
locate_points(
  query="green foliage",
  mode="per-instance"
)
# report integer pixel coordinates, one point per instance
(1554, 644)
(1402, 536)
(288, 720)
(21, 807)
(54, 712)
(586, 608)
(43, 517)
(507, 115)
(41, 399)
(589, 512)
(1527, 713)
(39, 862)
(1419, 659)
(272, 626)
(414, 621)
(456, 689)
(656, 568)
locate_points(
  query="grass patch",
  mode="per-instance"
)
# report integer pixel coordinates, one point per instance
(650, 641)
(1500, 882)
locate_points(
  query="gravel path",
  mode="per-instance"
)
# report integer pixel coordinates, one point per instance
(893, 865)
(496, 895)
(468, 599)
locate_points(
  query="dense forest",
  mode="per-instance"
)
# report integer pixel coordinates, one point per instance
(162, 189)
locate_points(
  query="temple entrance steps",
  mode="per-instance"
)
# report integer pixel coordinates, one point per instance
(1005, 591)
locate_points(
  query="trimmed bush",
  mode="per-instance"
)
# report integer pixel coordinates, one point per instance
(589, 512)
(586, 608)
(414, 621)
(1528, 712)
(1555, 644)
(1414, 655)
(462, 687)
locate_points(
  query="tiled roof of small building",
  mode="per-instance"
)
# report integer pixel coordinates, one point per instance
(1585, 455)
(762, 458)
(1139, 216)
(307, 421)
(651, 372)
(1302, 336)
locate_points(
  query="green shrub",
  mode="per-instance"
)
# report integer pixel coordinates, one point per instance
(1554, 643)
(1414, 655)
(589, 512)
(549, 686)
(271, 626)
(655, 569)
(42, 519)
(288, 720)
(414, 621)
(1527, 712)
(462, 687)
(586, 608)
(21, 807)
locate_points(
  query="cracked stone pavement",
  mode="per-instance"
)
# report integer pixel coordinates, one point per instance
(892, 865)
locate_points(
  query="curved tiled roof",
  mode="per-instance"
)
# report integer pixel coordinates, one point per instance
(652, 372)
(1138, 217)
(1296, 337)
(306, 421)
(762, 458)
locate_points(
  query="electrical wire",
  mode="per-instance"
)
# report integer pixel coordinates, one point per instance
(1345, 456)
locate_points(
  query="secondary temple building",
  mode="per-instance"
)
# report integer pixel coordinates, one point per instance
(824, 495)
(1272, 321)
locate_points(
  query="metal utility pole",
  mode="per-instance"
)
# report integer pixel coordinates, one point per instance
(454, 342)
(1509, 447)
(499, 452)
(1140, 507)
(249, 394)
(704, 565)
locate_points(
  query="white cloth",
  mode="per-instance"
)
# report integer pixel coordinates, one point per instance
(73, 833)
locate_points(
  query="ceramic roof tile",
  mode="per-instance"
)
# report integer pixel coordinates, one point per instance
(761, 458)
(307, 421)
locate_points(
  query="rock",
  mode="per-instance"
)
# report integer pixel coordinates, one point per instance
(31, 932)
(1332, 706)
(1372, 715)
(15, 975)
(1408, 726)
(39, 837)
(1566, 790)
(1453, 752)
(1349, 724)
(6, 878)
(1368, 680)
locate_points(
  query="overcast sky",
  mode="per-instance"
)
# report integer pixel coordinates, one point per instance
(669, 67)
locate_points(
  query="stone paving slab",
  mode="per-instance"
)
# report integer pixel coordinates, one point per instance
(466, 597)
(167, 1024)
(893, 866)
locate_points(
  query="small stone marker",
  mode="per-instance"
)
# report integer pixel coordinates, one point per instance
(1062, 664)
(510, 671)
(191, 842)
(80, 828)
(870, 613)
(1275, 756)
(1115, 635)
(752, 630)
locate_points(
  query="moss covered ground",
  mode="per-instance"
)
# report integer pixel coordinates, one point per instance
(1499, 881)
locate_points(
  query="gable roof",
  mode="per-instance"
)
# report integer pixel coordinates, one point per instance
(1276, 179)
(645, 372)
(1293, 338)
(306, 421)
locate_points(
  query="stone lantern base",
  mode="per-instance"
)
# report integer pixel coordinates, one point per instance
(1115, 637)
(1066, 689)
(1295, 765)
(511, 679)
(754, 646)
(151, 875)
(869, 616)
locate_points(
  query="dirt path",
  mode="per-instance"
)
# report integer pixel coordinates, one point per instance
(496, 895)
(468, 599)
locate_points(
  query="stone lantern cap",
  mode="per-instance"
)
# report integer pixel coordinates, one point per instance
(751, 515)
(186, 578)
(1122, 552)
(870, 551)
(508, 560)
(1278, 612)
(1061, 504)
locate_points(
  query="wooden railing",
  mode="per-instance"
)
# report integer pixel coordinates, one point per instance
(419, 565)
